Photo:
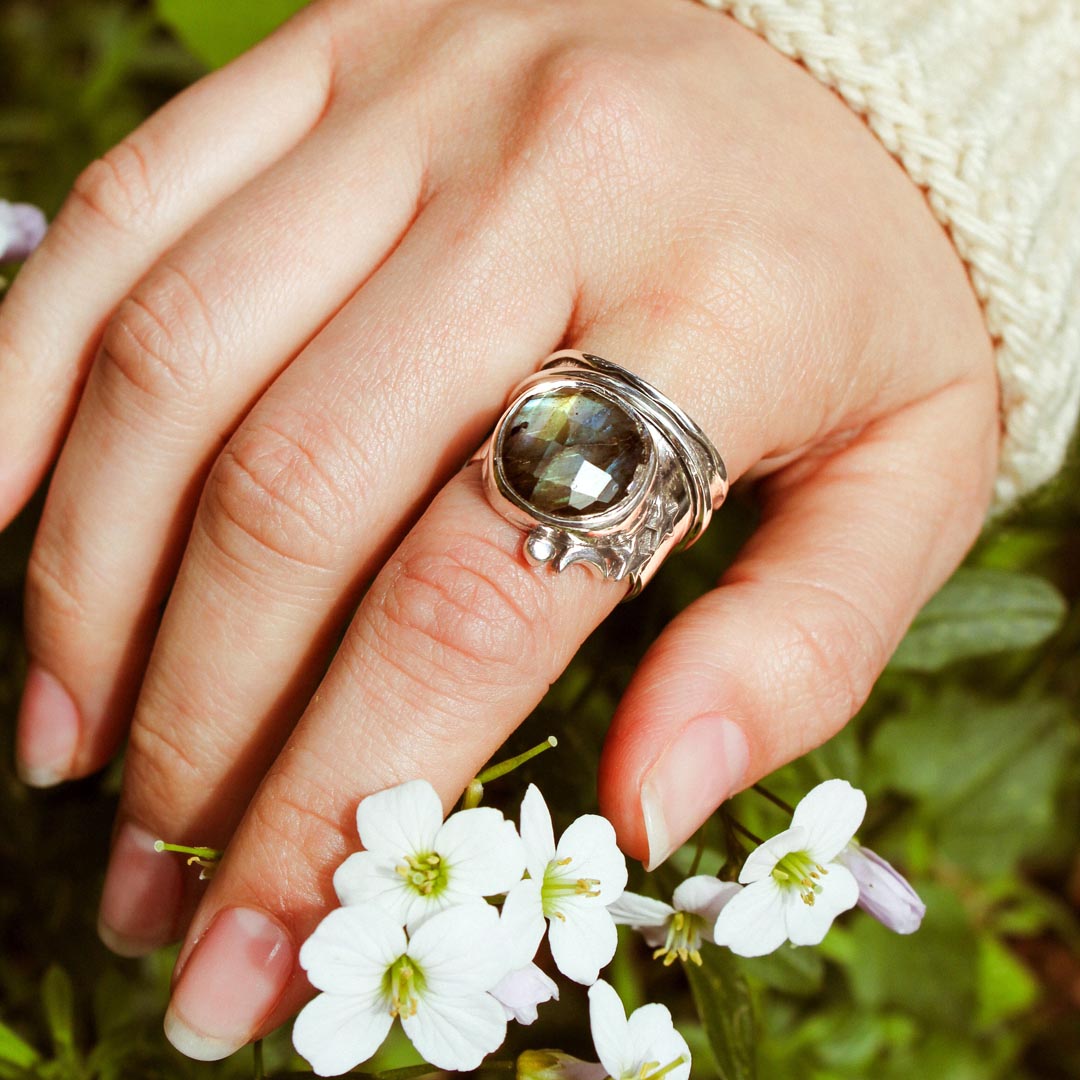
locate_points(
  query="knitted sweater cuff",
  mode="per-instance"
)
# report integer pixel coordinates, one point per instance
(979, 100)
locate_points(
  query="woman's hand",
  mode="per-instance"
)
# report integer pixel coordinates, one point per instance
(266, 330)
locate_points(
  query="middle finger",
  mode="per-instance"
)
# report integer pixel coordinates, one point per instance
(181, 360)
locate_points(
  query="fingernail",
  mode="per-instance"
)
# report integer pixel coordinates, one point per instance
(48, 731)
(232, 979)
(701, 767)
(140, 904)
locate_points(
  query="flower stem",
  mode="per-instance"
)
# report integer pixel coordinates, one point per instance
(207, 853)
(739, 827)
(774, 799)
(511, 764)
(259, 1072)
(699, 851)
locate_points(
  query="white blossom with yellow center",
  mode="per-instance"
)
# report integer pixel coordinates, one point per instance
(676, 930)
(795, 883)
(415, 864)
(435, 981)
(571, 885)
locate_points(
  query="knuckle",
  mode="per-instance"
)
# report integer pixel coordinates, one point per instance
(117, 188)
(833, 645)
(590, 102)
(160, 764)
(160, 343)
(468, 617)
(291, 814)
(54, 608)
(280, 491)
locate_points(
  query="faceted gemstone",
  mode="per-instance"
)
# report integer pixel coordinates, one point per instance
(570, 452)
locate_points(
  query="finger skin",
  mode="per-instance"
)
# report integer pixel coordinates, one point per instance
(785, 651)
(124, 211)
(182, 358)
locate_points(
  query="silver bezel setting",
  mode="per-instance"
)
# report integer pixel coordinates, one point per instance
(668, 503)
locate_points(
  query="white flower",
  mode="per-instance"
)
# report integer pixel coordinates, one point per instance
(435, 981)
(794, 885)
(572, 885)
(644, 1047)
(525, 986)
(883, 891)
(676, 930)
(415, 864)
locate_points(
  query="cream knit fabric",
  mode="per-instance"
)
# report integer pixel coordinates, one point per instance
(980, 102)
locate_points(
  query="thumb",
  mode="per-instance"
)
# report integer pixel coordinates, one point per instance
(783, 653)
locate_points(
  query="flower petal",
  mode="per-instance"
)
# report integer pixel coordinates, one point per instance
(706, 897)
(522, 990)
(607, 1020)
(884, 892)
(582, 942)
(633, 909)
(752, 922)
(334, 1033)
(807, 924)
(761, 861)
(366, 876)
(589, 842)
(651, 1037)
(461, 950)
(536, 832)
(456, 1032)
(483, 851)
(831, 814)
(351, 949)
(401, 820)
(22, 228)
(523, 921)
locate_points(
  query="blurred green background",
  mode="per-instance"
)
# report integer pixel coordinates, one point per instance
(968, 747)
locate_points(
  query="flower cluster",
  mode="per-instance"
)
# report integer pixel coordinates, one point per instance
(417, 939)
(790, 888)
(420, 936)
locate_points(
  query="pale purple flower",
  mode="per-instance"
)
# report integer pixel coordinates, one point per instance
(22, 228)
(883, 891)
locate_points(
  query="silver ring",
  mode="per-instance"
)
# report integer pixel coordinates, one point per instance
(600, 468)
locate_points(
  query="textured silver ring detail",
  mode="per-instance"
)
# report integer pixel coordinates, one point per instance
(600, 468)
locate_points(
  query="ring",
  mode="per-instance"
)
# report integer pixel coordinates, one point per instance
(600, 468)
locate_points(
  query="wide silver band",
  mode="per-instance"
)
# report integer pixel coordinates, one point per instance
(678, 480)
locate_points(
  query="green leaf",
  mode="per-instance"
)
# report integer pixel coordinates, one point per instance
(14, 1050)
(726, 1010)
(1006, 988)
(930, 974)
(217, 32)
(985, 775)
(58, 997)
(980, 611)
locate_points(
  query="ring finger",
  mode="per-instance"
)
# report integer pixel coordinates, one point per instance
(309, 495)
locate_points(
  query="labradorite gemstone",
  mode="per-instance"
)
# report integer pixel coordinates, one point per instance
(570, 453)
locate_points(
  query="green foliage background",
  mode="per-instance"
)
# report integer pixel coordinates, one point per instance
(968, 747)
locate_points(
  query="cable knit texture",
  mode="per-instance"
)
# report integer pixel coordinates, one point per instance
(979, 100)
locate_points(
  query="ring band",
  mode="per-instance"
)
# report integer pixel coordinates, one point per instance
(600, 468)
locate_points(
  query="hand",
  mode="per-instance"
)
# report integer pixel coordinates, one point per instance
(267, 329)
